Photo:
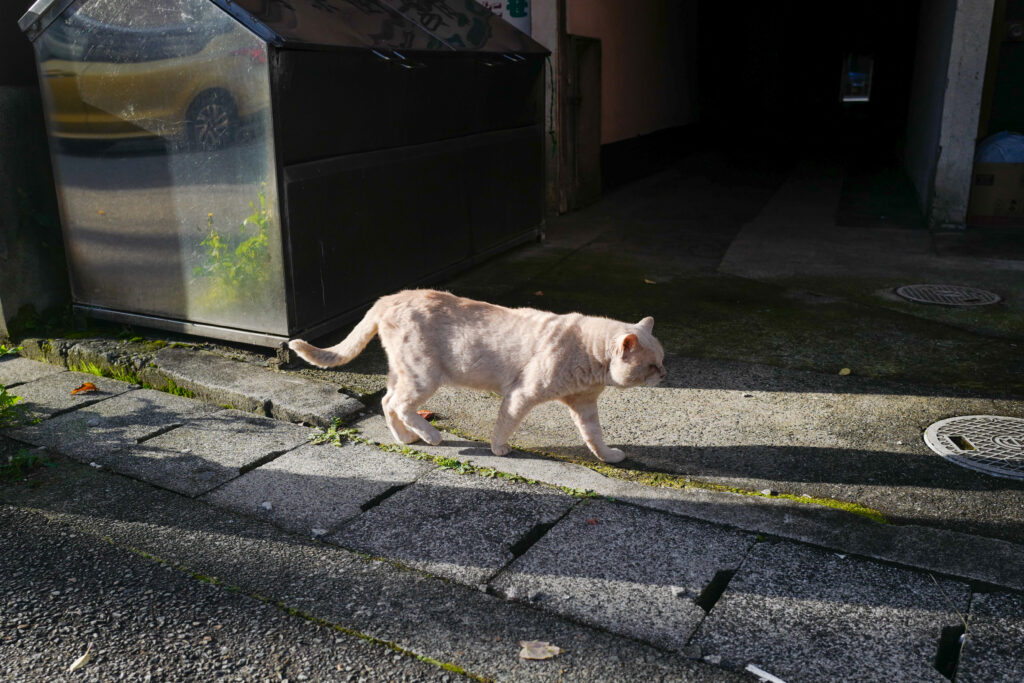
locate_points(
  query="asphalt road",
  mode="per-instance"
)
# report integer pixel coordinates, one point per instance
(64, 591)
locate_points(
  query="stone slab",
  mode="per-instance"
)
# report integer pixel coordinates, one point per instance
(633, 571)
(96, 432)
(223, 381)
(805, 614)
(51, 394)
(424, 615)
(317, 487)
(15, 370)
(946, 552)
(458, 526)
(994, 649)
(206, 451)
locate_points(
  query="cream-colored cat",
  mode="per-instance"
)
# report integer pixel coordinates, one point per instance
(527, 356)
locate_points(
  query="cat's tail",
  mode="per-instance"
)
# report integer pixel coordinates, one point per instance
(341, 353)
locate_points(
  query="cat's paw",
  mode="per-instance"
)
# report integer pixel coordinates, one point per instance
(612, 455)
(503, 449)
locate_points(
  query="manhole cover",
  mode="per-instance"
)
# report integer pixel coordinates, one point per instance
(947, 295)
(987, 443)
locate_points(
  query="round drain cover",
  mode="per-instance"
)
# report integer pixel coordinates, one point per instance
(947, 295)
(987, 443)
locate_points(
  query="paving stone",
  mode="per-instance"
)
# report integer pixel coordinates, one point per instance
(804, 614)
(929, 548)
(15, 370)
(459, 526)
(994, 648)
(632, 571)
(424, 615)
(317, 487)
(93, 433)
(223, 381)
(206, 451)
(51, 394)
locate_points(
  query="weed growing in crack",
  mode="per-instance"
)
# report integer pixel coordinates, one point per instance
(10, 412)
(21, 463)
(338, 435)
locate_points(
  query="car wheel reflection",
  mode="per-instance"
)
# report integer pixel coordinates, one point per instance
(213, 121)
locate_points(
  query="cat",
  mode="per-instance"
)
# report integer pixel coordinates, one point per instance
(527, 356)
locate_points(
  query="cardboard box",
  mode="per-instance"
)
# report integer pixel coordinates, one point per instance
(997, 195)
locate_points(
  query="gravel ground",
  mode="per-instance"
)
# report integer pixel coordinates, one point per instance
(63, 591)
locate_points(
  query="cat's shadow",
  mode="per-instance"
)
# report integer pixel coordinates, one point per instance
(477, 448)
(469, 447)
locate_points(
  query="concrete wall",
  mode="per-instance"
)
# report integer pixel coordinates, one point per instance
(945, 103)
(648, 62)
(33, 272)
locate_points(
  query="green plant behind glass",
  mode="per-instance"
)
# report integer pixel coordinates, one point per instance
(237, 266)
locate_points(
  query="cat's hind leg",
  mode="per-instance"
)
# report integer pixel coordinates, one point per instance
(583, 408)
(395, 424)
(407, 397)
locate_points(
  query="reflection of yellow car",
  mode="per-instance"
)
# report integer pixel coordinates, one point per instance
(195, 82)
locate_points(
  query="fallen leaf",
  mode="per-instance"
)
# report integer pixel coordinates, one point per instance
(844, 372)
(538, 649)
(425, 414)
(649, 282)
(81, 661)
(85, 388)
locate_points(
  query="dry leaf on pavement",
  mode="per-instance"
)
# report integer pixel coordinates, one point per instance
(538, 649)
(81, 661)
(85, 388)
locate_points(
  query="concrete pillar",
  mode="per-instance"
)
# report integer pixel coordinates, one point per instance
(547, 18)
(961, 106)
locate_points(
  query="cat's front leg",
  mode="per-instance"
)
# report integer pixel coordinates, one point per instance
(583, 409)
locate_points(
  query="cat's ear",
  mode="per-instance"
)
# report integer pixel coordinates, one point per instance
(628, 343)
(647, 324)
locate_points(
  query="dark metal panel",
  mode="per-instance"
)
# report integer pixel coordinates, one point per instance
(509, 92)
(335, 103)
(366, 224)
(505, 184)
(330, 104)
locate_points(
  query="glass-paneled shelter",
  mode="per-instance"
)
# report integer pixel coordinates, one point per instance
(255, 170)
